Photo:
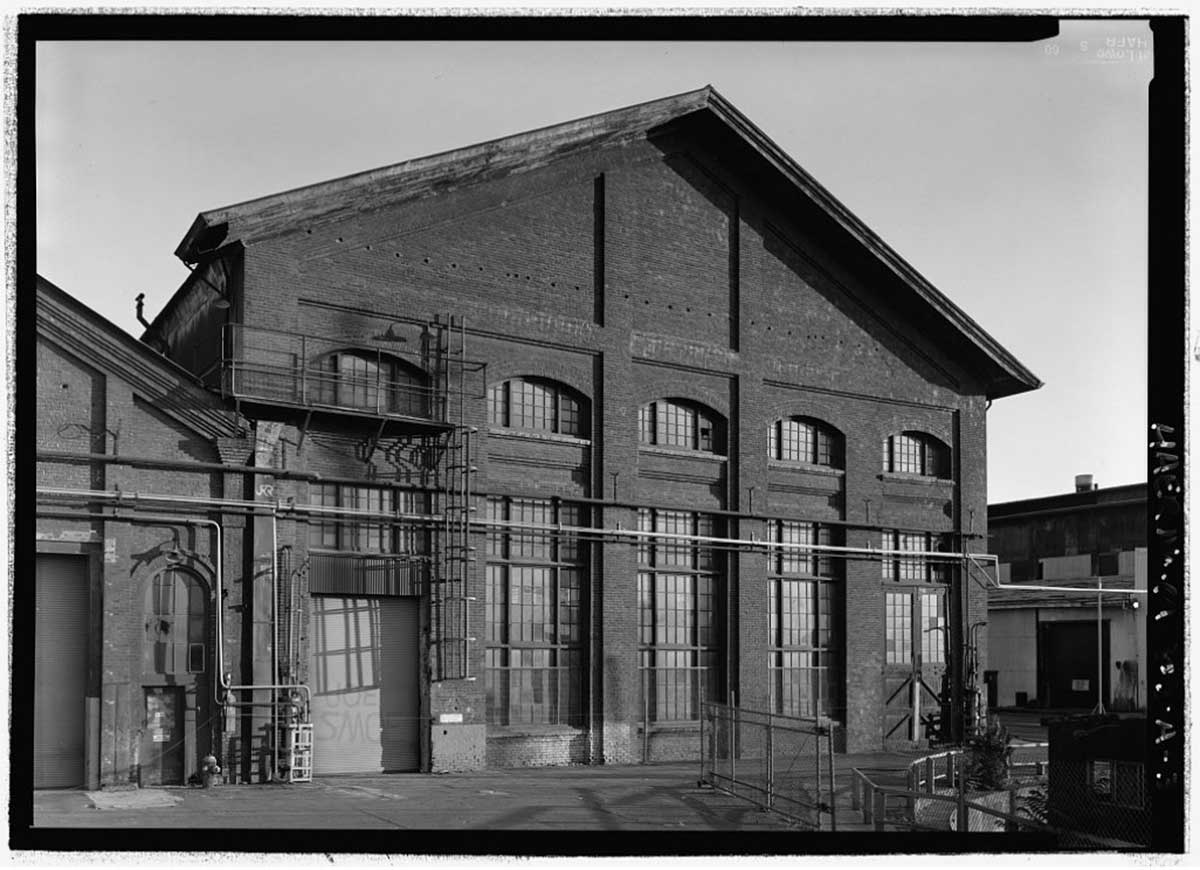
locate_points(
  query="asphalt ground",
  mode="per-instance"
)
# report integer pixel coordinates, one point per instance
(654, 797)
(656, 809)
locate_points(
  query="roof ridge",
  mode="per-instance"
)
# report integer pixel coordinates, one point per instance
(702, 96)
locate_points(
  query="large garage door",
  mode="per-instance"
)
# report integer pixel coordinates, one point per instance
(364, 671)
(60, 671)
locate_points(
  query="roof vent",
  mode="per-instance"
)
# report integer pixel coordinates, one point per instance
(1083, 483)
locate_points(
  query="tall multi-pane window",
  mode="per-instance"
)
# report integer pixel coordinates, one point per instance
(680, 588)
(539, 406)
(915, 621)
(798, 439)
(794, 560)
(535, 586)
(685, 425)
(914, 569)
(898, 628)
(916, 453)
(933, 629)
(176, 626)
(803, 661)
(374, 532)
(370, 381)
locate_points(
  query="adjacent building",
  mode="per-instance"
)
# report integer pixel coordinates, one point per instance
(533, 447)
(1070, 649)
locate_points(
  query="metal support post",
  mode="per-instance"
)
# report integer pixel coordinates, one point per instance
(832, 783)
(963, 824)
(645, 717)
(770, 762)
(818, 736)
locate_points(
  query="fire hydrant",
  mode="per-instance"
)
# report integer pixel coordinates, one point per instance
(209, 770)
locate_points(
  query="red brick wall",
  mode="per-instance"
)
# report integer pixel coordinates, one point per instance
(701, 290)
(88, 406)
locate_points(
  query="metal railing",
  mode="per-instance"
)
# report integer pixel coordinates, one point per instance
(943, 801)
(783, 764)
(274, 366)
(934, 792)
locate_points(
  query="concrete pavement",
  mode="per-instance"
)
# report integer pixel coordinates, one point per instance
(638, 797)
(651, 797)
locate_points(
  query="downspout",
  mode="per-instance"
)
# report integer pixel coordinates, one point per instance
(224, 680)
(222, 683)
(275, 636)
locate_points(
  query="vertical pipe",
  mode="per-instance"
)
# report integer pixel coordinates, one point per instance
(378, 381)
(274, 639)
(818, 742)
(733, 723)
(465, 533)
(645, 716)
(466, 543)
(963, 823)
(771, 761)
(303, 369)
(702, 744)
(1099, 645)
(832, 784)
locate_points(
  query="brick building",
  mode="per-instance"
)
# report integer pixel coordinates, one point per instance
(505, 404)
(1044, 645)
(124, 592)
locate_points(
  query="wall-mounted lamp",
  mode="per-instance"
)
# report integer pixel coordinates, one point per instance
(390, 335)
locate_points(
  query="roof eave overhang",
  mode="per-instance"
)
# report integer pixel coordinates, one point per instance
(1000, 372)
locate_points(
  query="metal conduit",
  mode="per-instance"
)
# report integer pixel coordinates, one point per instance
(223, 679)
(358, 481)
(583, 531)
(219, 570)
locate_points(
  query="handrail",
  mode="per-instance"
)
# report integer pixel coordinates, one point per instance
(870, 798)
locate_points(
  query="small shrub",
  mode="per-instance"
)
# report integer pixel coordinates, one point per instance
(986, 758)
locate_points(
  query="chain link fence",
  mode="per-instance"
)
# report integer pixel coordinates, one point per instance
(784, 764)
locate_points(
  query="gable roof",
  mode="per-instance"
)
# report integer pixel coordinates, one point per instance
(704, 112)
(100, 343)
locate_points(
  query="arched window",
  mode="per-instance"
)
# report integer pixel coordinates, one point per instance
(682, 424)
(538, 405)
(372, 381)
(916, 453)
(801, 439)
(176, 609)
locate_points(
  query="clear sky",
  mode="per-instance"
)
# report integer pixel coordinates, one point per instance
(1013, 176)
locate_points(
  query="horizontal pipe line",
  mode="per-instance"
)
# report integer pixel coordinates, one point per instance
(315, 477)
(579, 531)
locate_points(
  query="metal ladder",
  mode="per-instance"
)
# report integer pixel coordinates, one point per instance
(449, 602)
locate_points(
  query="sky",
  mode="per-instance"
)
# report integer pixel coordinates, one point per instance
(1011, 175)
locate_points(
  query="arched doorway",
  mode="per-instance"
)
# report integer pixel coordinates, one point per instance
(176, 730)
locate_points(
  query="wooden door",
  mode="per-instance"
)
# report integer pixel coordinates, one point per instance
(915, 646)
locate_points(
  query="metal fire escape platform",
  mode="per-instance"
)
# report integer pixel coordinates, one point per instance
(366, 386)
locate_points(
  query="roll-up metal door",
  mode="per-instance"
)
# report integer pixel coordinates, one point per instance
(399, 700)
(364, 673)
(60, 671)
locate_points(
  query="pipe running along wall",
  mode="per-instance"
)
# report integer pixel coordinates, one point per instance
(617, 533)
(224, 686)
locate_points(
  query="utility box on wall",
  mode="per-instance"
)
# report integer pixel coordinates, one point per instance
(456, 746)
